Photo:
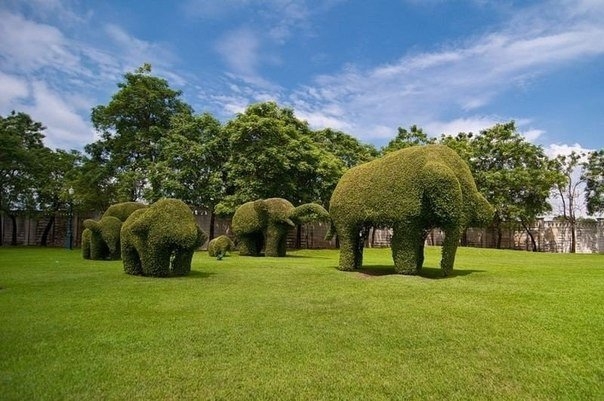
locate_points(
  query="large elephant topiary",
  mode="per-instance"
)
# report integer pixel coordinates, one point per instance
(160, 240)
(264, 223)
(101, 239)
(411, 190)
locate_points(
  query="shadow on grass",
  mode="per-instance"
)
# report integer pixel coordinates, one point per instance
(197, 274)
(434, 273)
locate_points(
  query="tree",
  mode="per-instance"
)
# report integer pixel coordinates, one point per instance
(593, 175)
(346, 148)
(272, 154)
(404, 139)
(514, 175)
(568, 190)
(190, 164)
(131, 126)
(21, 149)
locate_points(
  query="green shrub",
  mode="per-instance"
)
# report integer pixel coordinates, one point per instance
(160, 240)
(86, 234)
(103, 239)
(266, 223)
(411, 190)
(219, 246)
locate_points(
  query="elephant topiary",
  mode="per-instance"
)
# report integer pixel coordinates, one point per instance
(264, 223)
(160, 240)
(219, 246)
(101, 239)
(411, 190)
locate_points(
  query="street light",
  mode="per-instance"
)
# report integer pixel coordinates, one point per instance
(70, 219)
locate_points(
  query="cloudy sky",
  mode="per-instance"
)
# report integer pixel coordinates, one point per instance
(364, 67)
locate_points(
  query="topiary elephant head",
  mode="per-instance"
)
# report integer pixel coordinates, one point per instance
(264, 223)
(160, 240)
(101, 239)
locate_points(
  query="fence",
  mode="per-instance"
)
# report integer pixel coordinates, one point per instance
(550, 236)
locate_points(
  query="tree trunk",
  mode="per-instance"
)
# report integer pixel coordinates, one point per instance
(44, 239)
(573, 237)
(13, 241)
(212, 222)
(530, 234)
(499, 236)
(373, 237)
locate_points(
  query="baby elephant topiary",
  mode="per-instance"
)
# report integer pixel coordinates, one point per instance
(267, 222)
(160, 240)
(412, 190)
(219, 246)
(101, 239)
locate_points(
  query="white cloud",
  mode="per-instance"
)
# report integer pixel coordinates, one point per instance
(239, 49)
(66, 128)
(13, 88)
(425, 88)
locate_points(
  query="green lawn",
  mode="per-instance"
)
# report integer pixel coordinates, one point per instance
(508, 325)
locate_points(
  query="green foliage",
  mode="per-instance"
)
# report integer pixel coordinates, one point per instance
(593, 175)
(102, 238)
(273, 154)
(266, 223)
(131, 126)
(86, 238)
(219, 246)
(411, 190)
(415, 136)
(160, 240)
(514, 175)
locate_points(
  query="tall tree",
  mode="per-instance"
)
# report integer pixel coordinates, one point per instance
(131, 126)
(191, 163)
(21, 149)
(405, 138)
(568, 190)
(593, 175)
(345, 147)
(514, 175)
(272, 154)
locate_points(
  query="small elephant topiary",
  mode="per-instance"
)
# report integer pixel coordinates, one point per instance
(101, 239)
(160, 240)
(219, 246)
(264, 223)
(411, 190)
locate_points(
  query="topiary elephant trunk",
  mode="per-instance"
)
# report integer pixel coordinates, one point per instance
(264, 223)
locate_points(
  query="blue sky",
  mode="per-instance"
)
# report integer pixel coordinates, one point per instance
(363, 67)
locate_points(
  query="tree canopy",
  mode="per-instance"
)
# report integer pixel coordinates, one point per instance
(593, 175)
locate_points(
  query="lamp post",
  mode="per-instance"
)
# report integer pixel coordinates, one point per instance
(70, 219)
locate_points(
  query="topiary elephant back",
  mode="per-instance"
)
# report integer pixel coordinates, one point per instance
(412, 191)
(265, 223)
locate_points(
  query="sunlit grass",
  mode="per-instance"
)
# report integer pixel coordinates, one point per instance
(507, 325)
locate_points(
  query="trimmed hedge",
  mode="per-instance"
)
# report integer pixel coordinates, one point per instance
(101, 239)
(219, 246)
(160, 240)
(411, 190)
(264, 223)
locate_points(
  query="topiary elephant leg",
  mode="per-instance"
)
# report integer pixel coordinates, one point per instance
(351, 249)
(181, 263)
(132, 262)
(406, 249)
(248, 245)
(450, 244)
(276, 241)
(156, 262)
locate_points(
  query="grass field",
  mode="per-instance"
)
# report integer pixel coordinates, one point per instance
(507, 325)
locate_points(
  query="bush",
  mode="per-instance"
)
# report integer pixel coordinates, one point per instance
(102, 241)
(219, 246)
(159, 241)
(411, 190)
